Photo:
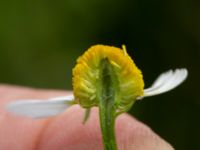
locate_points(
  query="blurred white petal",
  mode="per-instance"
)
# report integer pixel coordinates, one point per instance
(69, 97)
(35, 108)
(166, 82)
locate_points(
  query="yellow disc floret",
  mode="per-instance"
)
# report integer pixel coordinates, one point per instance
(86, 75)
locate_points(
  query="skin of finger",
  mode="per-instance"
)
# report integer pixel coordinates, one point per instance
(16, 132)
(66, 131)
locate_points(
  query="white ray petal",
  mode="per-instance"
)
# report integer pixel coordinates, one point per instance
(35, 108)
(68, 97)
(161, 79)
(166, 82)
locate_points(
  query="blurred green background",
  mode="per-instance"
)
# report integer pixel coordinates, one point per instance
(40, 41)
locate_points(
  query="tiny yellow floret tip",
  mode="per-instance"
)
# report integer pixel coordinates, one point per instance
(86, 75)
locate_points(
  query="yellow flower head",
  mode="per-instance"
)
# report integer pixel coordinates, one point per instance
(106, 77)
(128, 83)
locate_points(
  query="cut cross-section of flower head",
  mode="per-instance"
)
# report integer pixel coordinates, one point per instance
(127, 79)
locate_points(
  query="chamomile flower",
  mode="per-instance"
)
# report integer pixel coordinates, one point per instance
(127, 84)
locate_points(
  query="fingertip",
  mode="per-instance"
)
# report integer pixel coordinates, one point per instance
(67, 131)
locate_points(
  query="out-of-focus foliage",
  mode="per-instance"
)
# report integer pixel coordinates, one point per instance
(40, 41)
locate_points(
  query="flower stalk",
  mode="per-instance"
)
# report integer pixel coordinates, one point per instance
(107, 95)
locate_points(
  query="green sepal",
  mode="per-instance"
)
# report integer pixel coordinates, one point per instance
(86, 115)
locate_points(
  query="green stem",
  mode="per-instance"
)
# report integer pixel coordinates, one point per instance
(107, 111)
(107, 120)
